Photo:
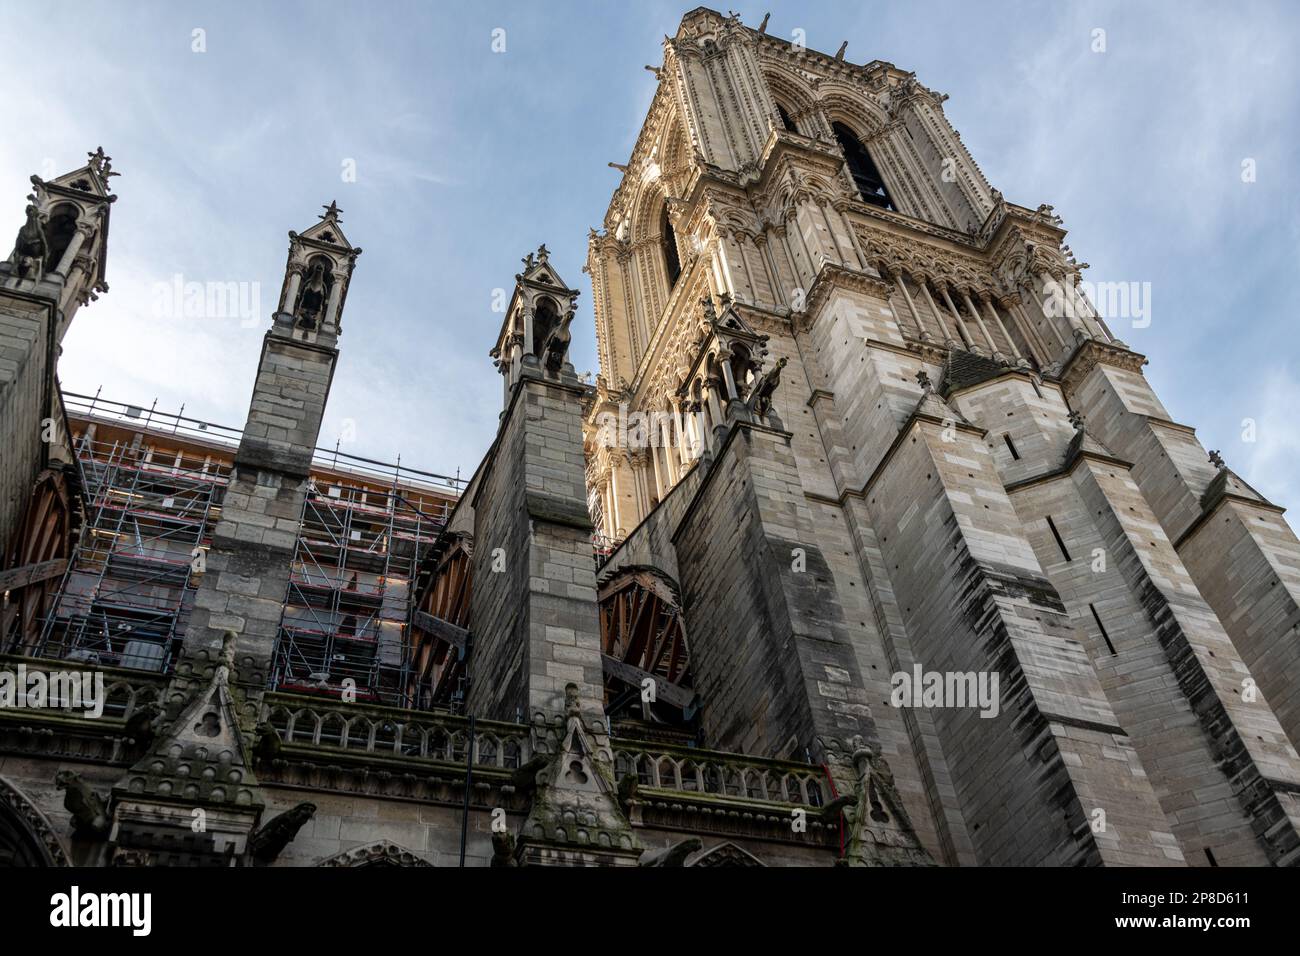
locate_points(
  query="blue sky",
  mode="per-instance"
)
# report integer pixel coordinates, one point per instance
(465, 159)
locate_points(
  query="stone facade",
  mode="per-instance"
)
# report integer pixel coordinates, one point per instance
(979, 480)
(871, 545)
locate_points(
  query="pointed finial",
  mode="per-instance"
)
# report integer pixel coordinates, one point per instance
(1217, 460)
(839, 55)
(528, 262)
(923, 379)
(101, 164)
(762, 27)
(332, 212)
(543, 254)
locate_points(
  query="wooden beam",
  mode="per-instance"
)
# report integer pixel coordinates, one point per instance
(32, 574)
(457, 637)
(679, 697)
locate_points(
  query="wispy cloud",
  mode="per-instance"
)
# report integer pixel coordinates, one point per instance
(466, 158)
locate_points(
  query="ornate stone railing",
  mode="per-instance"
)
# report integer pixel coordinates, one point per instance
(686, 770)
(125, 689)
(393, 733)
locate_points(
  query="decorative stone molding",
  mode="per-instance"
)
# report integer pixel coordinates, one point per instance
(39, 828)
(1090, 354)
(383, 853)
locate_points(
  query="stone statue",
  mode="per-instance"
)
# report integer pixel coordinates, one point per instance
(760, 396)
(315, 291)
(144, 723)
(89, 812)
(557, 346)
(268, 742)
(30, 249)
(503, 848)
(269, 840)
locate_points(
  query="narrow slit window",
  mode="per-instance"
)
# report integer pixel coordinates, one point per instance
(1051, 525)
(668, 242)
(1011, 447)
(1209, 857)
(1101, 627)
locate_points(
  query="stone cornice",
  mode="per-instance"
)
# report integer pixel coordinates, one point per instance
(830, 277)
(1090, 354)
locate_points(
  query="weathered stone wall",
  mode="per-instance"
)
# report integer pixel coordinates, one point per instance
(248, 566)
(1135, 671)
(24, 347)
(1245, 560)
(293, 381)
(533, 609)
(770, 655)
(1169, 465)
(975, 600)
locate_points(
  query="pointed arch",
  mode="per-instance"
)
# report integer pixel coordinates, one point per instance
(862, 167)
(381, 853)
(848, 105)
(726, 854)
(60, 226)
(795, 100)
(26, 836)
(46, 533)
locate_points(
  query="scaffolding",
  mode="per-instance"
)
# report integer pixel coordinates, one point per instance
(348, 609)
(153, 489)
(123, 600)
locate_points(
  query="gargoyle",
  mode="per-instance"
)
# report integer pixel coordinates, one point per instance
(760, 396)
(674, 855)
(627, 789)
(89, 812)
(557, 346)
(269, 840)
(311, 301)
(831, 812)
(268, 741)
(145, 723)
(30, 249)
(525, 777)
(503, 849)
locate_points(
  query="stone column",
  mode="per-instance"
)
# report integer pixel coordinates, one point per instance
(948, 340)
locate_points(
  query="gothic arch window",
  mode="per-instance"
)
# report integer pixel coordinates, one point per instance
(786, 121)
(871, 185)
(545, 318)
(59, 230)
(668, 242)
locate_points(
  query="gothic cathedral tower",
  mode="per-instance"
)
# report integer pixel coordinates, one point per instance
(878, 430)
